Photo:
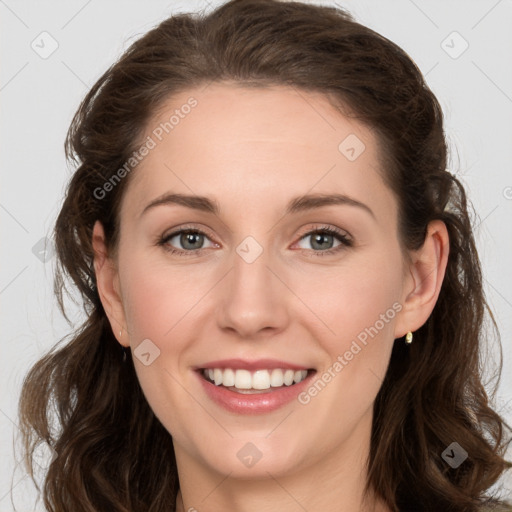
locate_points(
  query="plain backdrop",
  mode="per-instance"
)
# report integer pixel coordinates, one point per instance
(52, 53)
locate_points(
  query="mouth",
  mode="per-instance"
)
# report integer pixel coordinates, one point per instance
(260, 381)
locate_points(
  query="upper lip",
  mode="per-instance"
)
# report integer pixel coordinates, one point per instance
(257, 364)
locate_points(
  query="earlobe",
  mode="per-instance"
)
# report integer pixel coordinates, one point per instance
(426, 273)
(107, 280)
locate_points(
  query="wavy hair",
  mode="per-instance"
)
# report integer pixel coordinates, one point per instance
(112, 453)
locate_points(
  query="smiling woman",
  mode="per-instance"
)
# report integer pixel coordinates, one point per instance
(285, 304)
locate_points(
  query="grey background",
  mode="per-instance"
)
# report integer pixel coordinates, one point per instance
(38, 97)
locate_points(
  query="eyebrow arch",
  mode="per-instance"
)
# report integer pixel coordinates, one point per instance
(298, 204)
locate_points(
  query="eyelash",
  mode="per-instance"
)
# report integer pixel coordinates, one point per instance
(344, 239)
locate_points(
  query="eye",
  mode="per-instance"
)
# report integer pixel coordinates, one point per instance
(191, 239)
(324, 236)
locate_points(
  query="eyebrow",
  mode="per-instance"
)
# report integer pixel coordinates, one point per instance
(296, 205)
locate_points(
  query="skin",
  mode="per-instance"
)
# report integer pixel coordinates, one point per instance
(253, 150)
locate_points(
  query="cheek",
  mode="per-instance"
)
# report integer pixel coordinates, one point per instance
(159, 306)
(157, 299)
(359, 308)
(354, 301)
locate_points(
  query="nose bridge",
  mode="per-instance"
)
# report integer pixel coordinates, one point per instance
(254, 298)
(251, 265)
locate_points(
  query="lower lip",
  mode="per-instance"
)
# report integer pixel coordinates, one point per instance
(257, 403)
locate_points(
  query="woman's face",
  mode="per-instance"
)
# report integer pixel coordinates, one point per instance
(258, 286)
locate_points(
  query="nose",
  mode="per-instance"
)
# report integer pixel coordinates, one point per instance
(254, 297)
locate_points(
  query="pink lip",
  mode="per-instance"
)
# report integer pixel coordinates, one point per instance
(259, 403)
(260, 364)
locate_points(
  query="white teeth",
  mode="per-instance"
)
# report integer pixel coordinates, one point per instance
(260, 379)
(242, 379)
(276, 378)
(288, 377)
(228, 377)
(217, 376)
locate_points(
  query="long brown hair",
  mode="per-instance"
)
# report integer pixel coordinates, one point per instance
(112, 453)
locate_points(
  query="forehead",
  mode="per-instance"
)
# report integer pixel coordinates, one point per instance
(279, 140)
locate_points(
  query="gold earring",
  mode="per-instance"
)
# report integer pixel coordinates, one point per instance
(121, 333)
(408, 337)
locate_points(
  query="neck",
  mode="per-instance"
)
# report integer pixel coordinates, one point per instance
(333, 482)
(373, 505)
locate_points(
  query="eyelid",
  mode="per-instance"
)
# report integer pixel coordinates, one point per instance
(325, 227)
(303, 232)
(187, 227)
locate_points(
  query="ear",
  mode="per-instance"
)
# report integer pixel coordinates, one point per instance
(107, 281)
(425, 274)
